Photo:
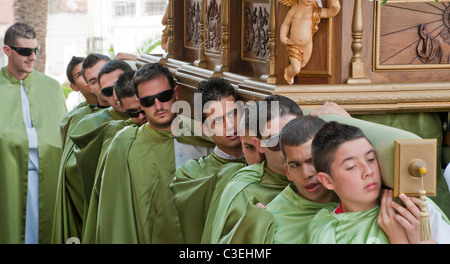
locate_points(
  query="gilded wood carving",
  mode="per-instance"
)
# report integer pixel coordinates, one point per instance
(419, 39)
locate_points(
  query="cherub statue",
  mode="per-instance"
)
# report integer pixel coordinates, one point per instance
(298, 29)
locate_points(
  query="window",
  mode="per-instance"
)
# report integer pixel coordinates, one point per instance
(125, 8)
(155, 7)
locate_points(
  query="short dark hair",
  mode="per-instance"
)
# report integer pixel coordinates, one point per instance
(123, 87)
(91, 60)
(18, 30)
(112, 66)
(328, 139)
(285, 106)
(72, 63)
(215, 89)
(299, 131)
(150, 72)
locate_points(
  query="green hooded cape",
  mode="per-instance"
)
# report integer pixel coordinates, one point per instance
(47, 108)
(71, 197)
(292, 214)
(236, 216)
(135, 203)
(90, 221)
(193, 188)
(345, 228)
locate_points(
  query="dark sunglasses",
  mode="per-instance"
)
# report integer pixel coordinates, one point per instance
(165, 96)
(272, 143)
(26, 51)
(107, 91)
(134, 114)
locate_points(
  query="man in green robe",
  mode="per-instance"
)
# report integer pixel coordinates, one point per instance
(299, 202)
(32, 105)
(220, 117)
(347, 164)
(77, 83)
(135, 203)
(125, 93)
(86, 137)
(258, 183)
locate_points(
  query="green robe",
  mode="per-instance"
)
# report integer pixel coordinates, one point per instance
(292, 214)
(70, 207)
(345, 228)
(88, 137)
(71, 119)
(90, 220)
(237, 217)
(193, 188)
(47, 108)
(135, 203)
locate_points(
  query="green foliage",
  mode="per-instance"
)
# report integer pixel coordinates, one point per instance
(149, 44)
(66, 90)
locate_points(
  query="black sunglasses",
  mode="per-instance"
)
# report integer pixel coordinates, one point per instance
(272, 143)
(26, 51)
(134, 114)
(165, 96)
(107, 91)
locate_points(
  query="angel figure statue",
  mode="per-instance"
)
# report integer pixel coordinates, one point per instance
(298, 29)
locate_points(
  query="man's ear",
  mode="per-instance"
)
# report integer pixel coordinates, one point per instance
(257, 142)
(207, 130)
(74, 87)
(139, 102)
(326, 180)
(7, 50)
(286, 168)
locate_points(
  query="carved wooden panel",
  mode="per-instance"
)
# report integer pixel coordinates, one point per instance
(213, 25)
(255, 30)
(192, 15)
(412, 36)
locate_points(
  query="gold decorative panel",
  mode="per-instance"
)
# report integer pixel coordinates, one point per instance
(412, 35)
(255, 30)
(192, 15)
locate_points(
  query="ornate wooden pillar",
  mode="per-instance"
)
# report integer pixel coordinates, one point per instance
(170, 40)
(357, 65)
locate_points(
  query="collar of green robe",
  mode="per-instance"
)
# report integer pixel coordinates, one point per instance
(14, 80)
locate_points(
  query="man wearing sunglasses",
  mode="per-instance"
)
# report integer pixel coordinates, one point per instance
(32, 105)
(126, 95)
(135, 202)
(263, 180)
(79, 163)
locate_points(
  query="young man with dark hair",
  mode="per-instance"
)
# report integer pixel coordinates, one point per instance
(263, 181)
(299, 202)
(79, 164)
(220, 117)
(125, 93)
(141, 162)
(30, 143)
(90, 69)
(346, 163)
